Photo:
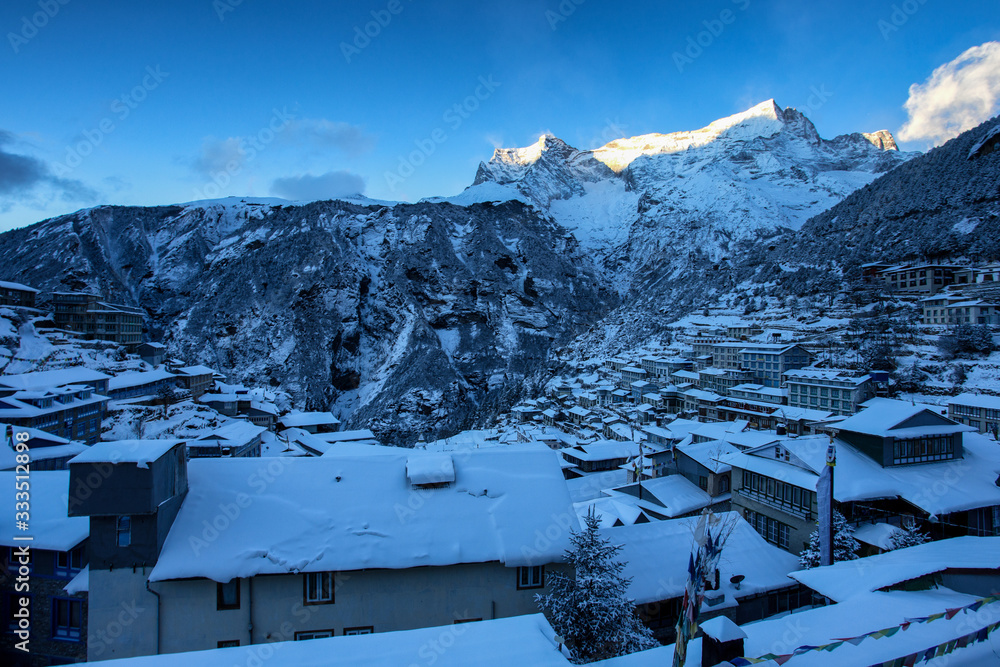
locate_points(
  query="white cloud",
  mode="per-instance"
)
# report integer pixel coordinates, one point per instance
(957, 96)
(330, 185)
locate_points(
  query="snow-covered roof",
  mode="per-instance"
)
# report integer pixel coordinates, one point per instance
(519, 640)
(846, 579)
(80, 583)
(976, 401)
(354, 513)
(709, 454)
(656, 556)
(49, 525)
(17, 286)
(863, 614)
(140, 452)
(722, 629)
(938, 488)
(236, 430)
(577, 410)
(136, 378)
(671, 496)
(837, 374)
(57, 378)
(608, 511)
(604, 450)
(881, 416)
(196, 370)
(876, 534)
(359, 435)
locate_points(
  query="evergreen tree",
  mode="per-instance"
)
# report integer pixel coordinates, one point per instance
(909, 536)
(845, 547)
(591, 610)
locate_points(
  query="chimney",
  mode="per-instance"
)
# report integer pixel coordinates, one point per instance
(722, 641)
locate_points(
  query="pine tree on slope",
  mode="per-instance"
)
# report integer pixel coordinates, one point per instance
(845, 547)
(591, 610)
(909, 536)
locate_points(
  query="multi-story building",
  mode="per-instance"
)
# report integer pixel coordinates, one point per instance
(57, 561)
(768, 361)
(894, 460)
(979, 411)
(94, 319)
(262, 571)
(63, 402)
(838, 391)
(16, 294)
(921, 279)
(951, 309)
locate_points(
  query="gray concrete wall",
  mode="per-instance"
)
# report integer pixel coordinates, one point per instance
(122, 615)
(386, 600)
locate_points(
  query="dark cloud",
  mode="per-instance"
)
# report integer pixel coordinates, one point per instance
(325, 186)
(20, 174)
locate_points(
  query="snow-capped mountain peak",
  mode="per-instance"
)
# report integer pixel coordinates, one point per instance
(763, 120)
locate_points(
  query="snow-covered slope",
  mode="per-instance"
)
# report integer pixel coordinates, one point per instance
(411, 320)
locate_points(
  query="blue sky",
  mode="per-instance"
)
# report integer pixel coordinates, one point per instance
(156, 103)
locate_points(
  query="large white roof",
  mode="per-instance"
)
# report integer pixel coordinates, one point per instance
(135, 378)
(976, 400)
(657, 555)
(846, 579)
(56, 378)
(881, 415)
(49, 525)
(352, 513)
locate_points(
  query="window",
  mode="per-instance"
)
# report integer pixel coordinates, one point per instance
(530, 577)
(703, 483)
(367, 630)
(921, 450)
(67, 619)
(319, 588)
(228, 643)
(124, 530)
(227, 595)
(69, 563)
(314, 634)
(770, 529)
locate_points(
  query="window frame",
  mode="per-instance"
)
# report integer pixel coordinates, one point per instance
(532, 581)
(360, 630)
(308, 635)
(71, 633)
(123, 527)
(220, 600)
(321, 598)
